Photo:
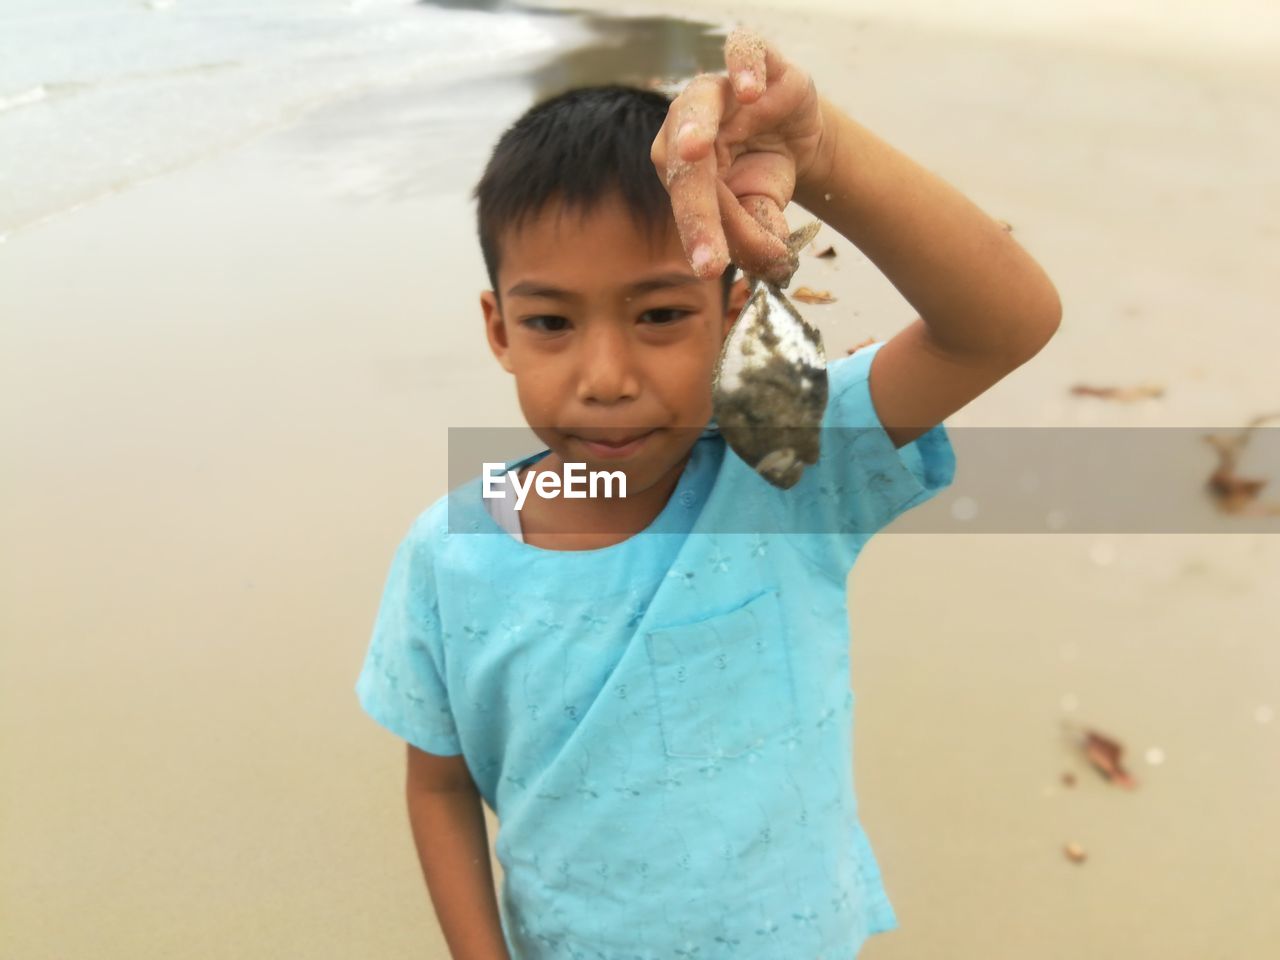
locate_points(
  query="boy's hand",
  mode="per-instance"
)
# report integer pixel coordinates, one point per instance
(730, 153)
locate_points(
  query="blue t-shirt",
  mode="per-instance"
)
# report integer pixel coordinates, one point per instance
(663, 726)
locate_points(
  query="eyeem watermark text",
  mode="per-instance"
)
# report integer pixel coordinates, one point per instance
(576, 484)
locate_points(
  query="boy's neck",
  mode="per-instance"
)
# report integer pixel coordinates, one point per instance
(589, 524)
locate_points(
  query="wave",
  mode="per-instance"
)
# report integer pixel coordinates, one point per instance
(24, 99)
(145, 103)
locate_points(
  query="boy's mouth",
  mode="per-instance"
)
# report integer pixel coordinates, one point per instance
(614, 447)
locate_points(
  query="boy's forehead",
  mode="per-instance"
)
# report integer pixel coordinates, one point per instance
(607, 233)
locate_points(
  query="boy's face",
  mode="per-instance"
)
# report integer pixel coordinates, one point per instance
(611, 338)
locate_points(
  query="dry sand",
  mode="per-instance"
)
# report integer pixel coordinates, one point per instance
(225, 395)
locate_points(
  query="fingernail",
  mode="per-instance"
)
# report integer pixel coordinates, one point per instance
(701, 258)
(687, 130)
(746, 80)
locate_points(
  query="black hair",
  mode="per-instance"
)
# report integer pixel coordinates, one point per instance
(579, 147)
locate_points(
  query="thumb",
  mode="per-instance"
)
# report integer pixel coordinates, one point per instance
(767, 213)
(757, 249)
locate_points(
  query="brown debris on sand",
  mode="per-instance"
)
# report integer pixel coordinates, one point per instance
(1074, 852)
(825, 253)
(809, 295)
(1232, 492)
(1103, 752)
(1145, 391)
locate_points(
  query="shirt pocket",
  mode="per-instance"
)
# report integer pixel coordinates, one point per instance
(724, 684)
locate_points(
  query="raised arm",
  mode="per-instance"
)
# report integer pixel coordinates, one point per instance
(446, 815)
(986, 307)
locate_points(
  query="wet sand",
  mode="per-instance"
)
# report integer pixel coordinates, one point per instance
(224, 398)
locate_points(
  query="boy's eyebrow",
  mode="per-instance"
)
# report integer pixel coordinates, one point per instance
(532, 288)
(662, 281)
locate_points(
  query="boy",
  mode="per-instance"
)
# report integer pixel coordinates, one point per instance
(654, 699)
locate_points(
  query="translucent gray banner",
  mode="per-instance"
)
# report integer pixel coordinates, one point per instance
(1007, 480)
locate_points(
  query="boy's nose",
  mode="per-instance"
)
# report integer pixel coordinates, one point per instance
(606, 373)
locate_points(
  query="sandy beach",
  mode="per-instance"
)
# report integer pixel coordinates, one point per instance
(225, 389)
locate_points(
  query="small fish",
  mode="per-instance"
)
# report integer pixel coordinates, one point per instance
(770, 387)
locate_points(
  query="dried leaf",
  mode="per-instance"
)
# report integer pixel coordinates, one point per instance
(1232, 492)
(858, 346)
(809, 295)
(1105, 755)
(825, 253)
(1074, 852)
(1146, 391)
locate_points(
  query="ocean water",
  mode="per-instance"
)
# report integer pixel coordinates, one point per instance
(96, 95)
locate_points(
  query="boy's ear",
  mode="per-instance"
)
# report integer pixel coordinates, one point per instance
(494, 328)
(737, 300)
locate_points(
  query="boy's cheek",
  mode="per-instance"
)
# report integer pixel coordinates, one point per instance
(696, 401)
(535, 394)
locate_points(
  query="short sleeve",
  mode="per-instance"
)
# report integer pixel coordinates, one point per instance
(862, 482)
(402, 683)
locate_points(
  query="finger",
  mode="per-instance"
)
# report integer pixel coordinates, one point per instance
(753, 63)
(744, 56)
(696, 113)
(691, 124)
(691, 182)
(766, 212)
(692, 187)
(768, 175)
(783, 86)
(755, 248)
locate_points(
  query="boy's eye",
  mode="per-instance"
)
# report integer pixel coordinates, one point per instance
(663, 316)
(546, 324)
